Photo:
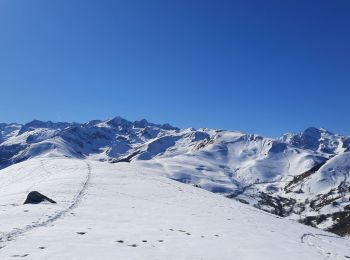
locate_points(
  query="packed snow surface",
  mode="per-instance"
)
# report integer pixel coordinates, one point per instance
(130, 211)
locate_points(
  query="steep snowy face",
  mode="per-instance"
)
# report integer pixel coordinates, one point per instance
(334, 174)
(318, 140)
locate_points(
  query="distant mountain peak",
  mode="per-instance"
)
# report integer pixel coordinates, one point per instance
(122, 122)
(314, 131)
(119, 121)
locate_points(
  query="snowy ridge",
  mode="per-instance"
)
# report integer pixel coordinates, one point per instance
(303, 176)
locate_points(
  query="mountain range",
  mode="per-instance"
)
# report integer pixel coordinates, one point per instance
(300, 176)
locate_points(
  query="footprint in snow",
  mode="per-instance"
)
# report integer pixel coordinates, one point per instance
(41, 247)
(133, 245)
(81, 233)
(120, 241)
(25, 255)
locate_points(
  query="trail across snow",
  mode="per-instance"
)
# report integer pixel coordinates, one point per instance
(322, 243)
(11, 235)
(129, 211)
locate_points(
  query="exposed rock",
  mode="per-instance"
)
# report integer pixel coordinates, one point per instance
(35, 197)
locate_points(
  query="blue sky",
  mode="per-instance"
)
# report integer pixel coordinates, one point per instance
(265, 67)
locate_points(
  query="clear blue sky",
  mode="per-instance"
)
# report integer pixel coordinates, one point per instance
(265, 67)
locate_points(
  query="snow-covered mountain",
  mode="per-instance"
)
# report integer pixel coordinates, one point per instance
(303, 176)
(318, 140)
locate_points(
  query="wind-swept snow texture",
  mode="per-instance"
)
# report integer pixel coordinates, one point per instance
(129, 211)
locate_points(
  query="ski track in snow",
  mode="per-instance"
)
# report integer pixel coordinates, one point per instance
(9, 236)
(315, 241)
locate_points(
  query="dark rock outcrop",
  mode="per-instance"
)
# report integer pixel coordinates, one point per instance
(35, 197)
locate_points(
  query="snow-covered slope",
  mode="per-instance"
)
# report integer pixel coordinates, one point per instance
(303, 176)
(129, 211)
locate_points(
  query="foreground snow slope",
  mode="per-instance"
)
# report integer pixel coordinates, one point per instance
(128, 211)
